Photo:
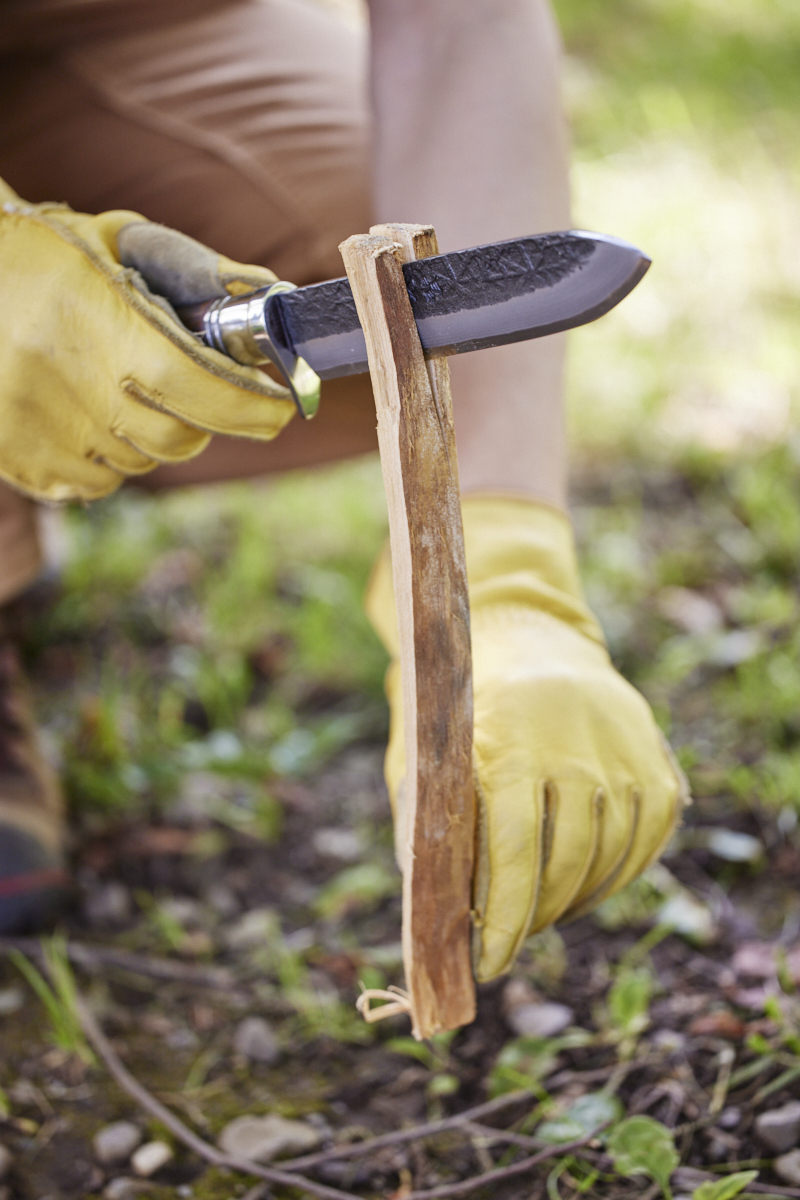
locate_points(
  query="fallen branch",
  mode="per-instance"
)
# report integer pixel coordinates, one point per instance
(95, 958)
(414, 1134)
(489, 1133)
(502, 1173)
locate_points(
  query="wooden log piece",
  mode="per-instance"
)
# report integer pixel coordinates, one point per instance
(420, 471)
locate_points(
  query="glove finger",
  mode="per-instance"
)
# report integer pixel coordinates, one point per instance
(511, 833)
(655, 812)
(650, 839)
(618, 823)
(159, 435)
(602, 878)
(573, 841)
(82, 479)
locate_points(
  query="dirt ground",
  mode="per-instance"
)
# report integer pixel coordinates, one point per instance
(238, 890)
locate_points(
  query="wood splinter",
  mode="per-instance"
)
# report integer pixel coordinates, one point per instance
(420, 472)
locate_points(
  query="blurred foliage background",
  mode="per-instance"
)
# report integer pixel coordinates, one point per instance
(220, 630)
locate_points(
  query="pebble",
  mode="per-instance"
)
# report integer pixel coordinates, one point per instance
(108, 904)
(116, 1143)
(125, 1188)
(344, 844)
(788, 1167)
(255, 1040)
(222, 900)
(691, 611)
(258, 927)
(729, 1118)
(669, 1040)
(539, 1020)
(779, 1128)
(151, 1157)
(263, 1138)
(5, 1161)
(11, 1000)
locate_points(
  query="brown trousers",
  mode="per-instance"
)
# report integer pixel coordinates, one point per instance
(246, 128)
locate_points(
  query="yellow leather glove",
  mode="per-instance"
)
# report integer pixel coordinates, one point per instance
(98, 378)
(577, 790)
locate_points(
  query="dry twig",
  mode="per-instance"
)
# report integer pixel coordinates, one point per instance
(413, 1134)
(502, 1173)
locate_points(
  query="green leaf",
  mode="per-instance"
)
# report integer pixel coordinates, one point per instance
(443, 1085)
(358, 888)
(413, 1049)
(642, 1146)
(724, 1189)
(525, 1060)
(581, 1118)
(629, 1000)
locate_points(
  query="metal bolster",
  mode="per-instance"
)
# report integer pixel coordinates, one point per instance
(242, 328)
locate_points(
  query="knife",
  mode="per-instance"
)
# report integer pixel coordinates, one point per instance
(467, 300)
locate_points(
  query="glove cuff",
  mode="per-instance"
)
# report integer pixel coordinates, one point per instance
(520, 554)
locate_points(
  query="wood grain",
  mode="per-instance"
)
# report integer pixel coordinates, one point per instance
(420, 470)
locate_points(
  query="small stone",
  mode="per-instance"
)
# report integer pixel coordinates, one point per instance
(108, 904)
(255, 1040)
(151, 1157)
(5, 1161)
(11, 1000)
(539, 1020)
(788, 1167)
(344, 844)
(125, 1188)
(729, 1118)
(669, 1040)
(116, 1143)
(222, 901)
(183, 911)
(261, 1139)
(258, 927)
(691, 611)
(779, 1128)
(733, 846)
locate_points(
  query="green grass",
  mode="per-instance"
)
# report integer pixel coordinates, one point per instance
(240, 605)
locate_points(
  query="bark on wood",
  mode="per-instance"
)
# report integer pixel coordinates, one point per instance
(420, 470)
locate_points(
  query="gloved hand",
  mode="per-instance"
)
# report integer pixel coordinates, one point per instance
(99, 379)
(577, 790)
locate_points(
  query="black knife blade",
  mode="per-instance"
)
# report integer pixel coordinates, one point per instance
(471, 299)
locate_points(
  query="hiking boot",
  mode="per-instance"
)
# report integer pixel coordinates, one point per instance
(33, 878)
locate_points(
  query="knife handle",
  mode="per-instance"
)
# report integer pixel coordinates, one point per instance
(248, 330)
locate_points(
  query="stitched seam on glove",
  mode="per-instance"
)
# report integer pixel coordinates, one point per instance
(102, 461)
(134, 389)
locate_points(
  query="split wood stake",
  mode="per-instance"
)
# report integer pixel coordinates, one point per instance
(420, 472)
